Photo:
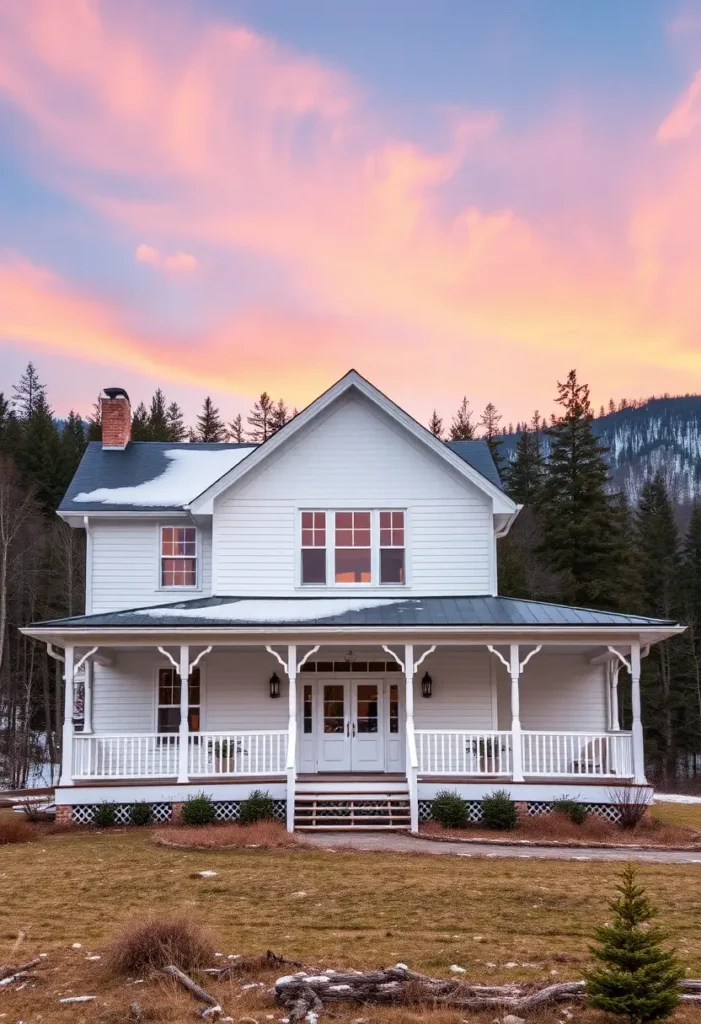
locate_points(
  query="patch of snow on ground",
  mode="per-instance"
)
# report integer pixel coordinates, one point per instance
(292, 610)
(676, 798)
(187, 474)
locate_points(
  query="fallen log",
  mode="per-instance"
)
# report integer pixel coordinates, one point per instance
(13, 972)
(251, 964)
(214, 1010)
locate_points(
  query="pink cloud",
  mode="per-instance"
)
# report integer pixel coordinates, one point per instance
(167, 261)
(685, 117)
(250, 147)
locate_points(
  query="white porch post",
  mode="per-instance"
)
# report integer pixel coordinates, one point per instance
(184, 730)
(614, 669)
(67, 736)
(411, 757)
(291, 735)
(638, 747)
(87, 697)
(516, 737)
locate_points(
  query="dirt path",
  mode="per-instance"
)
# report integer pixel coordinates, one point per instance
(394, 842)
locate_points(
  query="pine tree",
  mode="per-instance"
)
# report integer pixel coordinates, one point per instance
(175, 423)
(140, 427)
(39, 455)
(659, 563)
(158, 428)
(73, 442)
(95, 422)
(260, 419)
(525, 474)
(489, 421)
(28, 393)
(435, 425)
(462, 428)
(210, 426)
(636, 976)
(690, 579)
(573, 505)
(236, 429)
(279, 416)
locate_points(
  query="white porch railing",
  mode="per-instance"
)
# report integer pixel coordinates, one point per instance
(241, 753)
(596, 755)
(137, 756)
(442, 752)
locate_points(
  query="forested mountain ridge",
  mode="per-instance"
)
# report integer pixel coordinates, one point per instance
(661, 436)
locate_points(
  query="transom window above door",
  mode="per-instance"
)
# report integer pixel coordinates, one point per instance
(353, 547)
(178, 556)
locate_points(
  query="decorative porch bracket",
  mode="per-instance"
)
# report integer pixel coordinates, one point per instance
(633, 666)
(70, 669)
(515, 667)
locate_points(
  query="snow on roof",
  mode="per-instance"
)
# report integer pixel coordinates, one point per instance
(278, 611)
(187, 474)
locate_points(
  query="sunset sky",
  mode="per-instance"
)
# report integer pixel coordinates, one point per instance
(453, 197)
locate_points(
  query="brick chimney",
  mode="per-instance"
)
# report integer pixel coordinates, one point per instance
(115, 412)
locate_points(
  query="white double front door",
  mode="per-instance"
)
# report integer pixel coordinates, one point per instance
(354, 725)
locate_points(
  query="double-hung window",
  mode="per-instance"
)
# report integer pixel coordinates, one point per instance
(178, 556)
(314, 548)
(392, 547)
(169, 700)
(353, 547)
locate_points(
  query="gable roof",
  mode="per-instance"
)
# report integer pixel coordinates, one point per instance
(354, 381)
(167, 476)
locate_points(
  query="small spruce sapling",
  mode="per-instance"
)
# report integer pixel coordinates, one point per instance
(636, 976)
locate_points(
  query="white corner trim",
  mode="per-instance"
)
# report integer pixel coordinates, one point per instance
(171, 659)
(396, 657)
(623, 660)
(528, 657)
(198, 659)
(307, 656)
(500, 656)
(271, 650)
(423, 657)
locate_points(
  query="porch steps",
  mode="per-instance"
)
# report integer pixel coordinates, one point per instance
(367, 809)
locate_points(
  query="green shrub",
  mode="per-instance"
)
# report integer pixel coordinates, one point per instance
(499, 811)
(198, 810)
(141, 813)
(105, 815)
(256, 807)
(573, 809)
(449, 809)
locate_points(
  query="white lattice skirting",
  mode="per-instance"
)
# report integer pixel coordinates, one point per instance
(474, 810)
(225, 810)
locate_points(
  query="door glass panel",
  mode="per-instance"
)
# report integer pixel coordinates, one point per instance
(394, 708)
(307, 708)
(367, 708)
(334, 708)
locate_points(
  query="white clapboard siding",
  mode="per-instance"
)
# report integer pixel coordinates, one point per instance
(125, 565)
(461, 697)
(235, 692)
(558, 692)
(353, 455)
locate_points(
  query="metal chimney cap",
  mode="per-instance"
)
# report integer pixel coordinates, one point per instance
(116, 393)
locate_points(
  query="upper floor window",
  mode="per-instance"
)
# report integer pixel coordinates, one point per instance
(178, 556)
(392, 547)
(353, 548)
(314, 547)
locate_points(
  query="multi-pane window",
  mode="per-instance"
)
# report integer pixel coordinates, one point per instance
(169, 700)
(178, 556)
(314, 547)
(392, 547)
(307, 709)
(353, 548)
(394, 707)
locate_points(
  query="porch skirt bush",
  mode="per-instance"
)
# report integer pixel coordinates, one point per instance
(105, 815)
(198, 810)
(499, 811)
(575, 811)
(258, 806)
(450, 810)
(141, 813)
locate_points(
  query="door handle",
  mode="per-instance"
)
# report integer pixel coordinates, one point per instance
(354, 728)
(347, 728)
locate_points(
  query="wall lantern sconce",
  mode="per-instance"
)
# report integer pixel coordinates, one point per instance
(427, 685)
(274, 685)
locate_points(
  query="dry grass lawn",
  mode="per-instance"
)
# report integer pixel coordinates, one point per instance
(500, 919)
(686, 815)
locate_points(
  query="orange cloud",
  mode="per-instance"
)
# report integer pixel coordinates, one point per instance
(167, 261)
(208, 134)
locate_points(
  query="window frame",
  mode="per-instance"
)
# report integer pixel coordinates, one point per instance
(307, 547)
(178, 587)
(391, 547)
(331, 584)
(343, 547)
(159, 667)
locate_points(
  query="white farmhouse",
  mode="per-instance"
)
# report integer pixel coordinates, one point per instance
(318, 616)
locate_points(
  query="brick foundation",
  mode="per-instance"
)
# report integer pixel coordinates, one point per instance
(176, 813)
(64, 814)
